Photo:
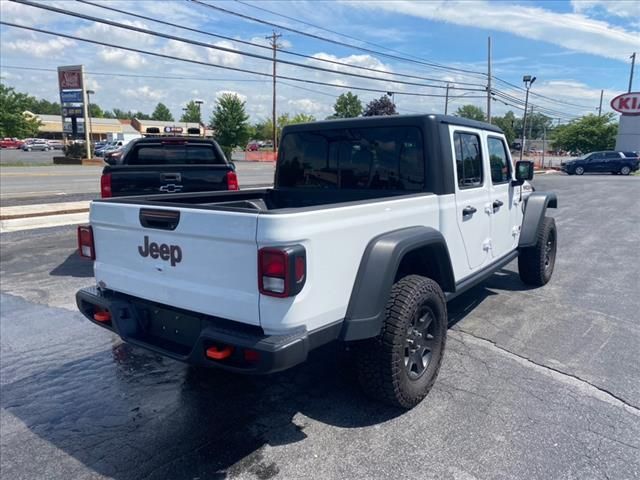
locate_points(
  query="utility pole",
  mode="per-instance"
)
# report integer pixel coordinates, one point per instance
(273, 40)
(633, 64)
(528, 81)
(600, 107)
(531, 124)
(446, 100)
(489, 81)
(199, 103)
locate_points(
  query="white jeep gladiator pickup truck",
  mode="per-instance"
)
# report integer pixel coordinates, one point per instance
(372, 225)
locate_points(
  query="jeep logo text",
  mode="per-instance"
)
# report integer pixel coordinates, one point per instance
(162, 251)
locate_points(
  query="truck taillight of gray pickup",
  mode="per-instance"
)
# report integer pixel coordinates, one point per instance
(371, 227)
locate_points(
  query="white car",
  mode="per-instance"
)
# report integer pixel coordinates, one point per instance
(372, 225)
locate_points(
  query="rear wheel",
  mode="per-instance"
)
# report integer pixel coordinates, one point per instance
(579, 170)
(536, 264)
(400, 365)
(625, 170)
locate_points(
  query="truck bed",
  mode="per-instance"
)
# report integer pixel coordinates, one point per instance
(267, 200)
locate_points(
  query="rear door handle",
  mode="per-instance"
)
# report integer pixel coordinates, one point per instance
(497, 204)
(469, 210)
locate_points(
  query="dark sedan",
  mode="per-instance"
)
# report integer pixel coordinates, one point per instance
(603, 162)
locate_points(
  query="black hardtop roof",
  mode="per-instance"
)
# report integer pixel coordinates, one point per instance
(176, 139)
(390, 120)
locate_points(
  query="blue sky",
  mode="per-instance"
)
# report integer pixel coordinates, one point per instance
(574, 48)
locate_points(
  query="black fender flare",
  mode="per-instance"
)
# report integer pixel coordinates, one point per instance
(377, 272)
(534, 212)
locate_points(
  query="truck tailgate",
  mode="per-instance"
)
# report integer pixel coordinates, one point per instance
(206, 264)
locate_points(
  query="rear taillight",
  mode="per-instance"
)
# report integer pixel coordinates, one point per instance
(282, 271)
(232, 181)
(105, 185)
(86, 249)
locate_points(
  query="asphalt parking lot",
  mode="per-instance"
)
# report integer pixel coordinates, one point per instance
(535, 384)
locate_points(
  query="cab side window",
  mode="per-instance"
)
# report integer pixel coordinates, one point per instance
(498, 161)
(468, 159)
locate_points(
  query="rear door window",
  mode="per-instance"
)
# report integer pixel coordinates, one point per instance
(468, 159)
(498, 161)
(388, 158)
(167, 154)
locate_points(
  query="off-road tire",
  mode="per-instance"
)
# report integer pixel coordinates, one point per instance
(381, 363)
(536, 264)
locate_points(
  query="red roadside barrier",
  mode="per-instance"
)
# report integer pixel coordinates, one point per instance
(261, 156)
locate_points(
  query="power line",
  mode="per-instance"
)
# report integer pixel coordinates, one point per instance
(209, 64)
(336, 42)
(518, 104)
(224, 49)
(132, 75)
(326, 29)
(257, 45)
(539, 95)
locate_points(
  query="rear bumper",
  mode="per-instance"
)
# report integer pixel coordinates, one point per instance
(186, 336)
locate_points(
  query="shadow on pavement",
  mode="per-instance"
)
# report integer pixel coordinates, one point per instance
(74, 266)
(129, 414)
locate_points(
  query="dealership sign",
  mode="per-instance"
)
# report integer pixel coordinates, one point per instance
(70, 78)
(627, 103)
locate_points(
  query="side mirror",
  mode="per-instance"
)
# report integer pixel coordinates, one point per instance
(524, 171)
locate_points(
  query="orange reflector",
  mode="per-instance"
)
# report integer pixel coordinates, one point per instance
(216, 353)
(102, 317)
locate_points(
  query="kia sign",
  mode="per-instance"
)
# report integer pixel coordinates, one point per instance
(70, 78)
(627, 103)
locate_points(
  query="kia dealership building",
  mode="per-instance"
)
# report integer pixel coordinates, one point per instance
(628, 104)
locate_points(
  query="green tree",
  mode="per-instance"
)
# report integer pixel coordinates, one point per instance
(192, 113)
(230, 121)
(470, 111)
(380, 106)
(43, 107)
(508, 125)
(347, 105)
(301, 118)
(162, 113)
(13, 121)
(586, 134)
(95, 111)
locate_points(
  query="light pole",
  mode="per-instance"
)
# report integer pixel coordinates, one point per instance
(390, 95)
(199, 102)
(528, 81)
(186, 124)
(89, 93)
(449, 99)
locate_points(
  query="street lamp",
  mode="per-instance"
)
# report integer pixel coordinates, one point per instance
(89, 93)
(528, 81)
(449, 99)
(199, 102)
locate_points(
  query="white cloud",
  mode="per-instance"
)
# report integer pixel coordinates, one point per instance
(242, 97)
(569, 30)
(130, 60)
(107, 33)
(39, 49)
(23, 14)
(617, 8)
(309, 106)
(181, 50)
(366, 61)
(227, 59)
(145, 92)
